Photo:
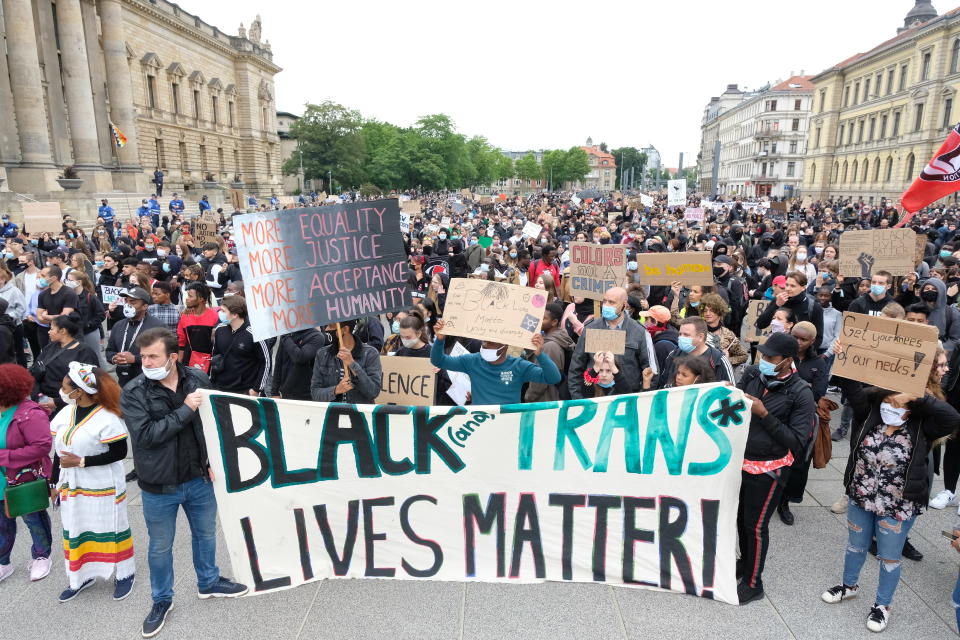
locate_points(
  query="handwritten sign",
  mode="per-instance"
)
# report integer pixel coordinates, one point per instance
(317, 265)
(755, 309)
(237, 199)
(109, 295)
(688, 267)
(921, 249)
(40, 217)
(404, 222)
(646, 200)
(205, 229)
(891, 354)
(594, 268)
(407, 381)
(676, 192)
(410, 206)
(495, 311)
(532, 229)
(693, 214)
(862, 253)
(612, 340)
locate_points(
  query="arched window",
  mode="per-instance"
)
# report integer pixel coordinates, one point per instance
(876, 170)
(955, 57)
(844, 178)
(866, 170)
(889, 172)
(813, 173)
(854, 173)
(908, 177)
(836, 171)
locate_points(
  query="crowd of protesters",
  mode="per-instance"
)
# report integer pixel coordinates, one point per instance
(121, 325)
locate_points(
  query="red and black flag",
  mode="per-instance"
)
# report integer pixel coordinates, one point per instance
(939, 178)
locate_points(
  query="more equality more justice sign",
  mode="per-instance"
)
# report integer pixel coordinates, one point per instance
(636, 490)
(310, 267)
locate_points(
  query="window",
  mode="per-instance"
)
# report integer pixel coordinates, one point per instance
(269, 163)
(791, 168)
(873, 128)
(909, 174)
(214, 110)
(813, 173)
(773, 148)
(773, 105)
(866, 170)
(196, 104)
(230, 112)
(816, 139)
(796, 105)
(220, 160)
(840, 137)
(836, 170)
(896, 125)
(183, 156)
(793, 146)
(855, 171)
(866, 89)
(890, 74)
(844, 172)
(903, 77)
(236, 160)
(876, 169)
(925, 67)
(175, 89)
(888, 173)
(856, 93)
(918, 117)
(152, 91)
(948, 113)
(823, 96)
(860, 131)
(161, 157)
(795, 124)
(846, 96)
(878, 83)
(955, 57)
(883, 126)
(850, 134)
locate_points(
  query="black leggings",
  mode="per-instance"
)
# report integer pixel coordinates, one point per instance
(951, 464)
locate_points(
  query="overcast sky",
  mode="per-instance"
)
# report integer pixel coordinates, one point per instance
(530, 75)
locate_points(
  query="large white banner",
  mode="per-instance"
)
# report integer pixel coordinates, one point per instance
(637, 490)
(676, 192)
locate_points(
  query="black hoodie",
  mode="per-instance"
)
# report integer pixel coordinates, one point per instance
(8, 353)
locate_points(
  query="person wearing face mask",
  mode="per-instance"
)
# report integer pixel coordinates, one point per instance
(88, 481)
(873, 302)
(496, 378)
(933, 293)
(887, 483)
(692, 341)
(54, 299)
(51, 364)
(239, 364)
(795, 297)
(347, 370)
(558, 346)
(392, 342)
(121, 348)
(800, 261)
(783, 416)
(413, 336)
(293, 365)
(637, 355)
(169, 452)
(604, 376)
(91, 310)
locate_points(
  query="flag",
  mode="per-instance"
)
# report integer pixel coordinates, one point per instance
(118, 136)
(939, 178)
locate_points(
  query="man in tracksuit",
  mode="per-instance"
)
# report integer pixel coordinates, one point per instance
(781, 424)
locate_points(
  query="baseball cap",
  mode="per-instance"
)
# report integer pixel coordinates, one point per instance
(659, 313)
(780, 281)
(137, 293)
(780, 344)
(725, 259)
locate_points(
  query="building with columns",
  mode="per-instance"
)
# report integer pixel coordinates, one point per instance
(880, 115)
(190, 99)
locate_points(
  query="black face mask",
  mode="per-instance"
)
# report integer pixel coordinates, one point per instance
(929, 295)
(719, 271)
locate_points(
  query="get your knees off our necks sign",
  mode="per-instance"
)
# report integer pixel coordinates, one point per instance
(636, 490)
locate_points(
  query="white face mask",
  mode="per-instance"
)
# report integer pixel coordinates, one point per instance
(409, 344)
(158, 373)
(161, 253)
(129, 312)
(73, 284)
(490, 355)
(891, 415)
(66, 398)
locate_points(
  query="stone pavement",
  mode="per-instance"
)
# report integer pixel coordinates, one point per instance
(803, 561)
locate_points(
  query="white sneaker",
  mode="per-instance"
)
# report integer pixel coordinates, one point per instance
(6, 570)
(878, 618)
(840, 506)
(944, 499)
(839, 593)
(40, 569)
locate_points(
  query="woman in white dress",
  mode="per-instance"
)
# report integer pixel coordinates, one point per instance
(90, 443)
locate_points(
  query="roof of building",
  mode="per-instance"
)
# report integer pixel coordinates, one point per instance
(287, 114)
(794, 83)
(599, 154)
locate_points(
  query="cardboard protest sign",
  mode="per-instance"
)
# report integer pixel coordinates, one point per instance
(594, 268)
(676, 192)
(317, 265)
(779, 206)
(40, 217)
(466, 193)
(497, 311)
(864, 252)
(617, 195)
(687, 267)
(755, 309)
(693, 214)
(407, 381)
(892, 354)
(286, 200)
(806, 202)
(921, 249)
(646, 200)
(483, 493)
(532, 229)
(109, 295)
(445, 221)
(404, 222)
(485, 200)
(237, 200)
(612, 340)
(410, 206)
(205, 229)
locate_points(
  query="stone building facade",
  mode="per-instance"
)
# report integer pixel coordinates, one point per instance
(190, 99)
(603, 169)
(879, 116)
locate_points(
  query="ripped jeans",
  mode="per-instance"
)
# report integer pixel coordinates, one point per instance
(891, 533)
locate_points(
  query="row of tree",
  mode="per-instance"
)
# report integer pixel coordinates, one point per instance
(339, 144)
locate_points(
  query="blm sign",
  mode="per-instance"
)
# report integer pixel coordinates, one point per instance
(309, 267)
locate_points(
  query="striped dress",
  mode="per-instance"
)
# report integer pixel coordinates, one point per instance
(96, 532)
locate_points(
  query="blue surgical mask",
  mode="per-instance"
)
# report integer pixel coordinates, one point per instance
(222, 315)
(98, 263)
(34, 241)
(513, 254)
(62, 243)
(685, 343)
(608, 312)
(767, 368)
(607, 385)
(878, 289)
(632, 265)
(395, 327)
(165, 267)
(42, 283)
(945, 254)
(8, 255)
(694, 304)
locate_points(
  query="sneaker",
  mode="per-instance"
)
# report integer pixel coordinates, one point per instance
(840, 506)
(156, 618)
(69, 594)
(838, 593)
(839, 434)
(122, 588)
(747, 594)
(833, 389)
(6, 570)
(222, 588)
(39, 569)
(878, 618)
(944, 499)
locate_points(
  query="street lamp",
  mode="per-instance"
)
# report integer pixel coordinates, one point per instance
(300, 177)
(330, 181)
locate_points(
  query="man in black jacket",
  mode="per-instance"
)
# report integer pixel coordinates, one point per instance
(293, 367)
(795, 297)
(160, 409)
(782, 421)
(872, 302)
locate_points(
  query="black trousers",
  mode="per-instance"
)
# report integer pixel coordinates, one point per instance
(31, 332)
(159, 186)
(797, 480)
(759, 496)
(18, 345)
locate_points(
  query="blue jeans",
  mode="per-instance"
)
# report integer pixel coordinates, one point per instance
(956, 602)
(38, 524)
(862, 526)
(160, 513)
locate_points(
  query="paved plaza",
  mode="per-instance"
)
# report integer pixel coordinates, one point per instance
(803, 560)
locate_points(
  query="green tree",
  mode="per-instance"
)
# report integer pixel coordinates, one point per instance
(629, 158)
(503, 170)
(576, 165)
(527, 168)
(330, 139)
(552, 167)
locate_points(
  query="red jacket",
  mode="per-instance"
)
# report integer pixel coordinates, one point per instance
(28, 441)
(538, 267)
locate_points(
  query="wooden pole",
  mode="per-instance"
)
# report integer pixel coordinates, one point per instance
(346, 370)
